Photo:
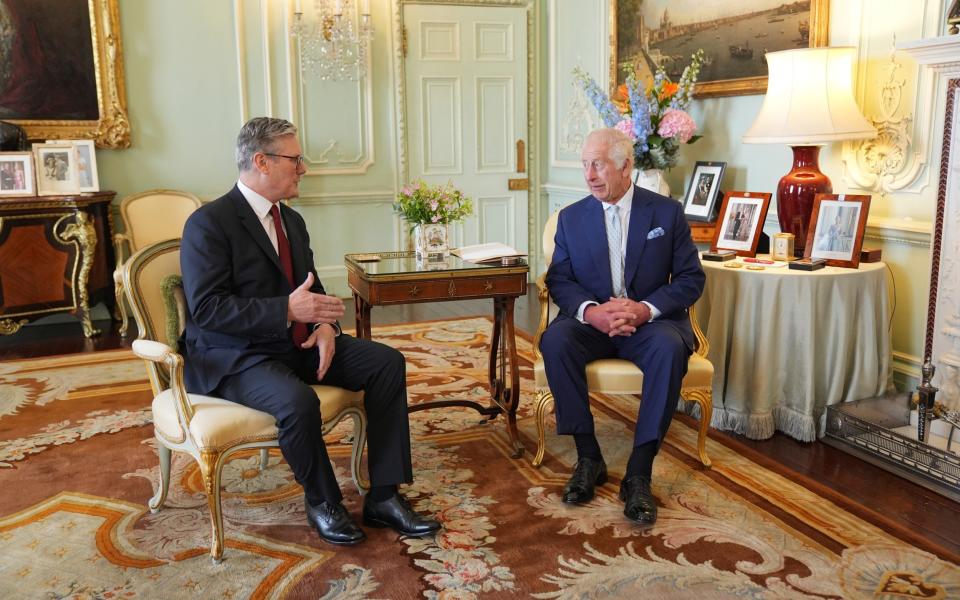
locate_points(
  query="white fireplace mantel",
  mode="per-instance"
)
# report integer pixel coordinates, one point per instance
(942, 55)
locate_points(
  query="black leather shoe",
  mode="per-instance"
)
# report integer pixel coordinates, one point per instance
(333, 523)
(587, 474)
(397, 514)
(640, 505)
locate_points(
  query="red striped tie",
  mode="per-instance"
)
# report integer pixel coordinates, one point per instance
(283, 248)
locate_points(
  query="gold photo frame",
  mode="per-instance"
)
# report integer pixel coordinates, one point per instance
(109, 126)
(717, 37)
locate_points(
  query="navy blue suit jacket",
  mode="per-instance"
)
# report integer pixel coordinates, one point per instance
(663, 270)
(235, 289)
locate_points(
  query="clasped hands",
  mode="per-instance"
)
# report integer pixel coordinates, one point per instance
(305, 306)
(617, 316)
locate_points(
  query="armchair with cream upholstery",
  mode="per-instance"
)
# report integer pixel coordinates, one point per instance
(208, 429)
(148, 217)
(614, 375)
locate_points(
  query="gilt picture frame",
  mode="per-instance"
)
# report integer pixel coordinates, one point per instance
(17, 175)
(741, 222)
(735, 37)
(836, 228)
(63, 75)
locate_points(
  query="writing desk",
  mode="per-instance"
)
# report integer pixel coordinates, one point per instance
(785, 344)
(399, 278)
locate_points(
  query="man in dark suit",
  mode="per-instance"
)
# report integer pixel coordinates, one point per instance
(261, 329)
(623, 274)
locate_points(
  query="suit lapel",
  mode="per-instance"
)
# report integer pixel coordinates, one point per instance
(251, 223)
(595, 228)
(641, 215)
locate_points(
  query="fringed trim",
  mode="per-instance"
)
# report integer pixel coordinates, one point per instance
(760, 426)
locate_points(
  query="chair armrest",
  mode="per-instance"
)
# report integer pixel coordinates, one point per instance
(158, 352)
(703, 346)
(543, 295)
(121, 241)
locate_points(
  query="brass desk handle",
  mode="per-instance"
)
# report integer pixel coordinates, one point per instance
(414, 291)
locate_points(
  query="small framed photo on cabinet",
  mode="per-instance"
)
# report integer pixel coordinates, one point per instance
(56, 169)
(16, 174)
(86, 165)
(700, 202)
(836, 228)
(741, 222)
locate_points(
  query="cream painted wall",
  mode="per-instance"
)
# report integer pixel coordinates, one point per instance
(900, 219)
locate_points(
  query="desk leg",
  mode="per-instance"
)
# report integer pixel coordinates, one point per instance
(362, 314)
(86, 235)
(503, 356)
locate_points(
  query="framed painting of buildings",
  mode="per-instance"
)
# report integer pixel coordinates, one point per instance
(734, 35)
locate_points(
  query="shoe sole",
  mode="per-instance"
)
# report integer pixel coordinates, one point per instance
(384, 525)
(336, 543)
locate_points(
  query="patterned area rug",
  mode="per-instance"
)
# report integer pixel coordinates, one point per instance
(78, 464)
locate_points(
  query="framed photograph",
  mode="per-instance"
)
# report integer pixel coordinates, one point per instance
(741, 222)
(836, 229)
(56, 169)
(734, 35)
(86, 164)
(16, 174)
(67, 61)
(700, 202)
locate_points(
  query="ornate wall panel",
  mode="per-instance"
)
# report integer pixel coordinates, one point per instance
(494, 100)
(441, 120)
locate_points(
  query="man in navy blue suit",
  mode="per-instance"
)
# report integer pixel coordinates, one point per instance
(623, 274)
(261, 329)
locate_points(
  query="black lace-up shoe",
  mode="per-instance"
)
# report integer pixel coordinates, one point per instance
(333, 523)
(397, 514)
(587, 474)
(640, 505)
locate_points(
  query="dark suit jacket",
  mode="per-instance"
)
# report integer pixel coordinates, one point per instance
(235, 289)
(663, 270)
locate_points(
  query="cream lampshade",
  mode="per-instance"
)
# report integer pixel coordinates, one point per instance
(809, 103)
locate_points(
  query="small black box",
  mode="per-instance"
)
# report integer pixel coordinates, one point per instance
(723, 255)
(808, 264)
(870, 255)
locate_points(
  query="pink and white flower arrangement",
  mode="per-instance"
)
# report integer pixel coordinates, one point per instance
(419, 203)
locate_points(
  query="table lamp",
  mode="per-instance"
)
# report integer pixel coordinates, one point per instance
(809, 103)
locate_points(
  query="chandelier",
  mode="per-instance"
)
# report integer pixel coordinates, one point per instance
(334, 42)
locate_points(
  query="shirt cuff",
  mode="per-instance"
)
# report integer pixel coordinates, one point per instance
(336, 327)
(582, 309)
(654, 311)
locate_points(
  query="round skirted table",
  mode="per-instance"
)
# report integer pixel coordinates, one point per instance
(786, 343)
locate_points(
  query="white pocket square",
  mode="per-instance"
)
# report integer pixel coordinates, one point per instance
(655, 233)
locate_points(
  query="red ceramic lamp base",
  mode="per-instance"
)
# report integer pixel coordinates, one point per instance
(796, 191)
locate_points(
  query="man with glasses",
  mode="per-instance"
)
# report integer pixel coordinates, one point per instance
(261, 329)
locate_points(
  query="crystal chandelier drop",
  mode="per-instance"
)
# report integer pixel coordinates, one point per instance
(334, 42)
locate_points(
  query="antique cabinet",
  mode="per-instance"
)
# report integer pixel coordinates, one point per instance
(55, 256)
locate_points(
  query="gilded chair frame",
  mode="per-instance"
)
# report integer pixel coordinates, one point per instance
(128, 242)
(165, 371)
(701, 395)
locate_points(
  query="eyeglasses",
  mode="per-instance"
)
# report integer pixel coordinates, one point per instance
(297, 159)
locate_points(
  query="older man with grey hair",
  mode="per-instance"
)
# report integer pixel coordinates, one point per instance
(261, 329)
(623, 274)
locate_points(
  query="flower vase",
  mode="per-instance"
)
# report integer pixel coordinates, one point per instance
(430, 241)
(653, 180)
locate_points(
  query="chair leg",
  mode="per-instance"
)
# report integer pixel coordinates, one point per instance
(704, 398)
(544, 399)
(356, 452)
(119, 310)
(158, 499)
(210, 463)
(264, 459)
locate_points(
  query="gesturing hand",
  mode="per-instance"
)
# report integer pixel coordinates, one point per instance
(305, 306)
(323, 338)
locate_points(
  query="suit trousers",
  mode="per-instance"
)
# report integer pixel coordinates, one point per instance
(280, 386)
(656, 348)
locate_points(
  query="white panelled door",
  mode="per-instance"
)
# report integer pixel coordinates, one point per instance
(466, 103)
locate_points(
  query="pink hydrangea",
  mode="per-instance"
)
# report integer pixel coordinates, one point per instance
(626, 126)
(677, 123)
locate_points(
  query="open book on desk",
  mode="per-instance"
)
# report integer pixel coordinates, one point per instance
(491, 252)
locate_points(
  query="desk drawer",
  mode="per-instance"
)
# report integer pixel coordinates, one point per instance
(448, 289)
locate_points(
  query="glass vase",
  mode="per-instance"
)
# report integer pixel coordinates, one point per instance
(431, 241)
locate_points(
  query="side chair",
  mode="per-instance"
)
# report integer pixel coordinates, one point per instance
(147, 217)
(614, 375)
(208, 429)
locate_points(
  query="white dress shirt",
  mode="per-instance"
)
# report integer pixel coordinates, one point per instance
(261, 207)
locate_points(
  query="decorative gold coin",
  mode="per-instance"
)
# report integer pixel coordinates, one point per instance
(733, 265)
(755, 267)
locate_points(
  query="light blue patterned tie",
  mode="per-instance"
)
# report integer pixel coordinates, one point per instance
(614, 239)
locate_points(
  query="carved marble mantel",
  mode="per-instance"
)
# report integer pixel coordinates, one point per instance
(942, 55)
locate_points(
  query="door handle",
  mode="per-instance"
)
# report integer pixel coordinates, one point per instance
(521, 157)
